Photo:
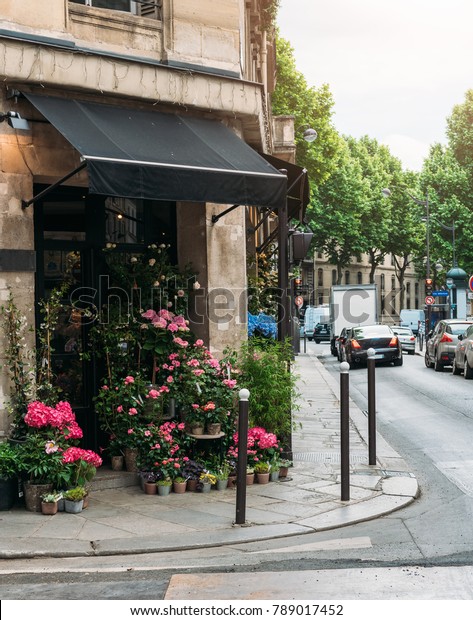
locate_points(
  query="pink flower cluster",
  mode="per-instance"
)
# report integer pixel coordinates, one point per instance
(261, 445)
(61, 417)
(73, 454)
(166, 320)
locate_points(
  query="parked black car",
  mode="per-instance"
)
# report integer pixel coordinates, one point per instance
(381, 338)
(322, 333)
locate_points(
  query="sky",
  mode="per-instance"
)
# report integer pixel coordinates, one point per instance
(395, 68)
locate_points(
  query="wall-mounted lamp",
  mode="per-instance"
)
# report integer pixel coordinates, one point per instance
(15, 120)
(309, 134)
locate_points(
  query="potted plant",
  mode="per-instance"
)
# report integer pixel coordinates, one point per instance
(74, 499)
(250, 475)
(149, 482)
(222, 474)
(164, 486)
(195, 420)
(284, 465)
(192, 471)
(262, 472)
(10, 467)
(179, 484)
(274, 470)
(49, 503)
(207, 479)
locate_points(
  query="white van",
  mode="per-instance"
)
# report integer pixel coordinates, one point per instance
(411, 318)
(314, 315)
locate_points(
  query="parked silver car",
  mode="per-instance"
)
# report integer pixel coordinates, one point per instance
(406, 338)
(441, 342)
(463, 356)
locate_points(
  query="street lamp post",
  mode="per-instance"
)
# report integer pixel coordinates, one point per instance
(422, 203)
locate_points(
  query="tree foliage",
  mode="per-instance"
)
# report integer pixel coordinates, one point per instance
(310, 107)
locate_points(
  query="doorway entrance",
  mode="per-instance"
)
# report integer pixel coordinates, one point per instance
(72, 229)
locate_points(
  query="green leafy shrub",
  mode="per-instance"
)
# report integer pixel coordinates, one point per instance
(266, 372)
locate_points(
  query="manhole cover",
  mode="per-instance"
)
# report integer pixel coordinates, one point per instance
(327, 457)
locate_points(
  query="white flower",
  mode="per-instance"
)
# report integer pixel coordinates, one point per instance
(151, 262)
(133, 259)
(156, 283)
(169, 304)
(196, 286)
(180, 293)
(162, 246)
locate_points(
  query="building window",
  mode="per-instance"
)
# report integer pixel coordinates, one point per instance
(347, 277)
(359, 278)
(145, 8)
(320, 277)
(334, 276)
(382, 281)
(393, 283)
(382, 304)
(320, 255)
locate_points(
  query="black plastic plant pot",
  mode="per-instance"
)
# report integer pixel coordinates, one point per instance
(8, 493)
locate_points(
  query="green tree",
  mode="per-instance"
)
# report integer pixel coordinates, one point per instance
(309, 106)
(460, 133)
(406, 240)
(335, 213)
(448, 183)
(379, 169)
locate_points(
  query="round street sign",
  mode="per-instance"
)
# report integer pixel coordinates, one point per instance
(470, 283)
(299, 301)
(429, 300)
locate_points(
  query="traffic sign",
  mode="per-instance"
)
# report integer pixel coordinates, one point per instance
(470, 283)
(299, 300)
(429, 300)
(441, 293)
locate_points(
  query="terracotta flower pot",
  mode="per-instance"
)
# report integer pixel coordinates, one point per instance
(150, 488)
(197, 430)
(49, 508)
(250, 478)
(231, 482)
(179, 487)
(283, 471)
(262, 478)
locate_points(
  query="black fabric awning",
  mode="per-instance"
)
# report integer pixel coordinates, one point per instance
(153, 155)
(298, 193)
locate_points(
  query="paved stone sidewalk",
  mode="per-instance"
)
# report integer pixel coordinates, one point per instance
(123, 520)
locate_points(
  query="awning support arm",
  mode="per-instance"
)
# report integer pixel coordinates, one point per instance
(215, 218)
(26, 203)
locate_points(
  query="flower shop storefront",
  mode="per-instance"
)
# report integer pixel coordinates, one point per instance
(143, 167)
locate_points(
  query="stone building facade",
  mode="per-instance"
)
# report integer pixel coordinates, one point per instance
(88, 75)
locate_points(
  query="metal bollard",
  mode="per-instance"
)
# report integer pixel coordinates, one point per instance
(242, 461)
(345, 431)
(371, 407)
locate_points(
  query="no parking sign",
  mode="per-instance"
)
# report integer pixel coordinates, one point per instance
(470, 283)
